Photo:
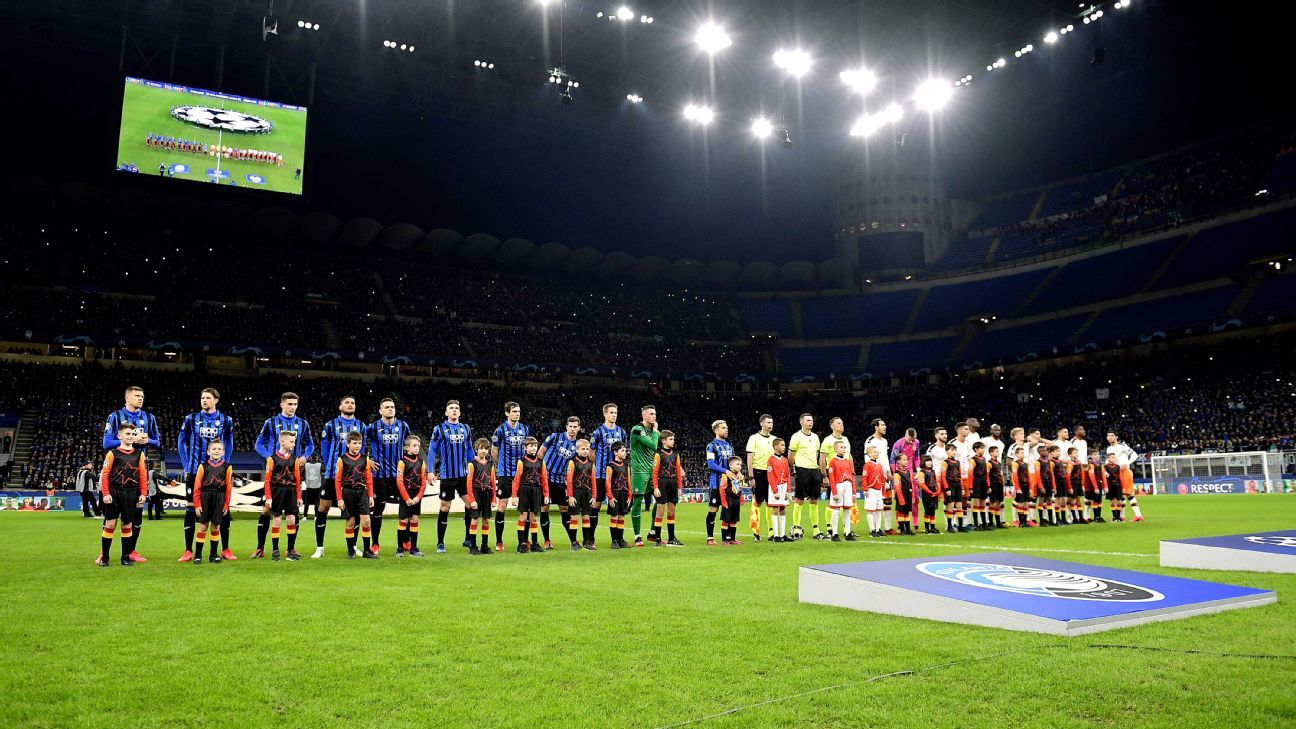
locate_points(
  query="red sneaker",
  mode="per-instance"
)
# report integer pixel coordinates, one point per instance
(374, 548)
(406, 545)
(1031, 524)
(186, 557)
(891, 533)
(1138, 518)
(136, 557)
(228, 556)
(711, 542)
(100, 561)
(735, 542)
(499, 546)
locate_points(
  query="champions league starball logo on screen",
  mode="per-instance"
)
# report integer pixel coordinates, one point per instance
(1289, 542)
(224, 119)
(1038, 582)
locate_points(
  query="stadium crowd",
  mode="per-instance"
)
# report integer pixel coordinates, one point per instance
(1229, 395)
(1187, 185)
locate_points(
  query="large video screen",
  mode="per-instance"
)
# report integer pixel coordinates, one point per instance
(183, 133)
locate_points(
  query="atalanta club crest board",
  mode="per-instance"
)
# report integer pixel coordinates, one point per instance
(1247, 552)
(1019, 592)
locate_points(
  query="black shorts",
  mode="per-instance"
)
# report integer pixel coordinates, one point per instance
(760, 486)
(808, 485)
(484, 498)
(930, 503)
(600, 488)
(328, 492)
(732, 513)
(283, 501)
(996, 492)
(670, 493)
(406, 511)
(1094, 494)
(123, 505)
(558, 493)
(503, 487)
(622, 503)
(213, 506)
(310, 496)
(385, 492)
(980, 489)
(452, 487)
(582, 496)
(1045, 489)
(955, 493)
(1114, 490)
(713, 498)
(530, 499)
(1023, 495)
(355, 502)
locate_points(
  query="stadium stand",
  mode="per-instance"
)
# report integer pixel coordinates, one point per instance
(950, 305)
(870, 315)
(1230, 393)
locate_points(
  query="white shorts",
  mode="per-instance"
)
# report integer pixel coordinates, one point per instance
(843, 496)
(779, 495)
(873, 500)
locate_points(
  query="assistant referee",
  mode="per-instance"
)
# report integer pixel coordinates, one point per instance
(760, 446)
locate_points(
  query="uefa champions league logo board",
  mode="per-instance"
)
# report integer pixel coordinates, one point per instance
(1246, 552)
(1018, 592)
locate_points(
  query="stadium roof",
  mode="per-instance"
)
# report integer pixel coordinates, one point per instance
(426, 136)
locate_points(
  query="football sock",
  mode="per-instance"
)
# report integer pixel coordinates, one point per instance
(499, 524)
(105, 543)
(224, 532)
(443, 520)
(375, 520)
(636, 512)
(710, 524)
(321, 520)
(292, 537)
(189, 520)
(544, 523)
(263, 526)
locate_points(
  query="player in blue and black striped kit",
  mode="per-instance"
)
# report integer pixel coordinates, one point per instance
(198, 430)
(507, 443)
(718, 453)
(267, 443)
(332, 445)
(556, 452)
(600, 442)
(385, 439)
(449, 451)
(146, 434)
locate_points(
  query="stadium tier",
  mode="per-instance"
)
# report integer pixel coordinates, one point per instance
(1230, 394)
(1195, 183)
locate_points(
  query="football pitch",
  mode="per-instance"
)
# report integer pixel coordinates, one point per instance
(645, 637)
(147, 110)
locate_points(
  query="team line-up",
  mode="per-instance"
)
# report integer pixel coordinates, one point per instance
(1051, 482)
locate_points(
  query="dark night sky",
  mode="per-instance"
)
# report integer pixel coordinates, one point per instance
(616, 177)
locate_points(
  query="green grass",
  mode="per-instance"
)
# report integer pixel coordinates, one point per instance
(608, 639)
(146, 109)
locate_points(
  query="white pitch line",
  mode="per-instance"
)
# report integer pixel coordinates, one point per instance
(990, 547)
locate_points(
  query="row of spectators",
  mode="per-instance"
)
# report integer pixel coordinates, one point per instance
(1233, 395)
(1192, 184)
(329, 300)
